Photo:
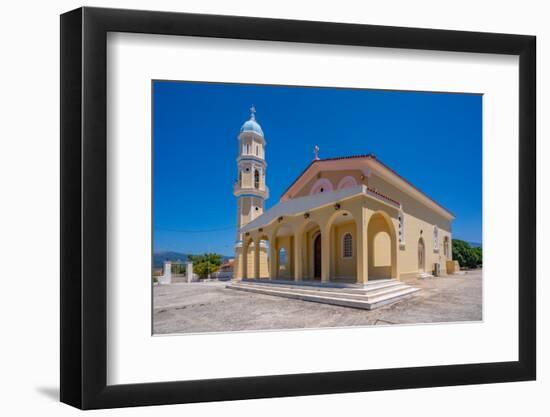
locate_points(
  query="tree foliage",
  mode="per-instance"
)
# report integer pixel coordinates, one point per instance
(467, 255)
(205, 264)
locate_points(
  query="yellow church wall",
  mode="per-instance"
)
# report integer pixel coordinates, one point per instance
(410, 205)
(419, 221)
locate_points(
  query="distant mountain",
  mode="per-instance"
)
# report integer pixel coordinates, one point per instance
(160, 257)
(475, 244)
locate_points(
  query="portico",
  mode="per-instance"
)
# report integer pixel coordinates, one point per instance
(325, 237)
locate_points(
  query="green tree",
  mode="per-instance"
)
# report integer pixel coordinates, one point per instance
(466, 255)
(205, 264)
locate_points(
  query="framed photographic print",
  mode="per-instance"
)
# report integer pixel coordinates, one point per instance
(258, 208)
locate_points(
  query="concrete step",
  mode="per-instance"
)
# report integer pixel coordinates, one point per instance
(369, 300)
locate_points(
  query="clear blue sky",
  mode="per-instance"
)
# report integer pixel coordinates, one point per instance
(432, 139)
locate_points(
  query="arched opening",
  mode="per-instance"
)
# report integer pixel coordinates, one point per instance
(382, 251)
(421, 255)
(256, 179)
(446, 247)
(343, 251)
(248, 259)
(282, 250)
(264, 249)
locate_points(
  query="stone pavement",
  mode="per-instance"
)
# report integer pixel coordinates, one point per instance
(210, 307)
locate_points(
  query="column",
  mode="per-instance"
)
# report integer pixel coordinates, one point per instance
(257, 258)
(273, 264)
(362, 248)
(189, 271)
(166, 277)
(298, 260)
(238, 265)
(325, 253)
(244, 258)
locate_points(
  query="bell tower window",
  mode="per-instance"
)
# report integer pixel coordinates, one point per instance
(256, 179)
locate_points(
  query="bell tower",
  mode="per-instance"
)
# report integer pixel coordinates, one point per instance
(250, 188)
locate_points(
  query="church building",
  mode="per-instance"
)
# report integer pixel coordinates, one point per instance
(349, 219)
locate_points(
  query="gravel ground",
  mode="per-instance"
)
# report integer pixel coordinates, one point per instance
(210, 307)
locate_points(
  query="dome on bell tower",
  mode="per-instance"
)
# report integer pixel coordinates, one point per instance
(252, 125)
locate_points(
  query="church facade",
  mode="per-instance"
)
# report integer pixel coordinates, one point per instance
(349, 219)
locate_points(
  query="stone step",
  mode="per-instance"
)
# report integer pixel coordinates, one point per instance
(363, 301)
(394, 297)
(331, 286)
(363, 294)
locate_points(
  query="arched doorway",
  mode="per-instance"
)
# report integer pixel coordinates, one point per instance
(421, 255)
(317, 257)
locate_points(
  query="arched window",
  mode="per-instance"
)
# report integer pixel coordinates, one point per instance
(322, 185)
(247, 148)
(240, 178)
(256, 179)
(282, 258)
(347, 246)
(347, 182)
(257, 147)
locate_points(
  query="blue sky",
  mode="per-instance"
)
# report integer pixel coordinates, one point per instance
(432, 139)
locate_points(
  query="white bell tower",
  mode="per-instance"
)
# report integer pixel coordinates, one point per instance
(250, 188)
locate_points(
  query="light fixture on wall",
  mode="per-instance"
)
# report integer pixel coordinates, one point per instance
(337, 206)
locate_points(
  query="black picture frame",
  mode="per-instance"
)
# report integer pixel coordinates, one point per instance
(84, 207)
